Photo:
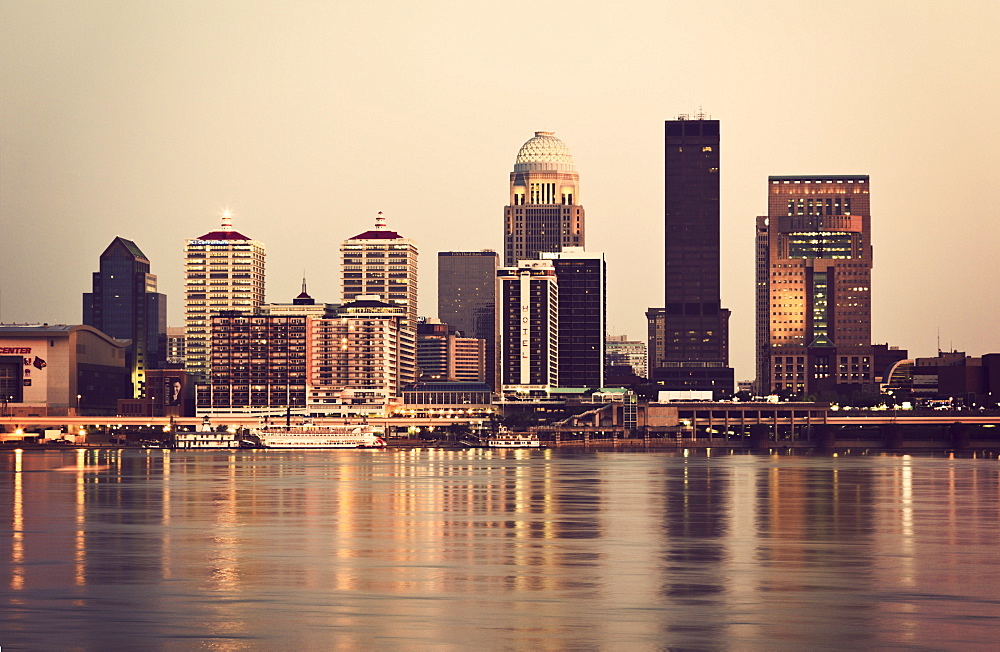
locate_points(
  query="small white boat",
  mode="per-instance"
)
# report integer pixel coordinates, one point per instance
(308, 435)
(506, 439)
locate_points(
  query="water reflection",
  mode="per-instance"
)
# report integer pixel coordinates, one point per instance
(544, 549)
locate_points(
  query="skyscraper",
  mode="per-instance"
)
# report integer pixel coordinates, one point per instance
(528, 324)
(814, 261)
(223, 270)
(689, 336)
(383, 263)
(467, 297)
(544, 213)
(124, 304)
(582, 280)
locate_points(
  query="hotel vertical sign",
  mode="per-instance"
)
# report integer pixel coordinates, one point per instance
(525, 354)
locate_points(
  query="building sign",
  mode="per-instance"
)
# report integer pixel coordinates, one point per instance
(173, 388)
(525, 354)
(26, 370)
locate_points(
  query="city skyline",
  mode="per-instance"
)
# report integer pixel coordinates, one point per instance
(147, 122)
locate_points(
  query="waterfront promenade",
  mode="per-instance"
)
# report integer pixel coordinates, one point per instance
(905, 431)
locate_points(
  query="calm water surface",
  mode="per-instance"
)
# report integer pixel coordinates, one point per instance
(546, 550)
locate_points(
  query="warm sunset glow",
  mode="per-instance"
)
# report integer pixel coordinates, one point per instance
(418, 112)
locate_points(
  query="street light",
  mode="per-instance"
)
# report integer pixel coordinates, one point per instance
(78, 397)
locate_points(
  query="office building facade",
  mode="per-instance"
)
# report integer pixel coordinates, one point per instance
(544, 213)
(124, 304)
(582, 280)
(444, 355)
(223, 270)
(467, 298)
(814, 262)
(620, 351)
(689, 336)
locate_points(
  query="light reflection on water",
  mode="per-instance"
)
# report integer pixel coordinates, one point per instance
(525, 549)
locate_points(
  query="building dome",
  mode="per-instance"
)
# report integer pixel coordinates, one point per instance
(544, 152)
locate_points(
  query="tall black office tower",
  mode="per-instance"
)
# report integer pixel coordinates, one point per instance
(124, 304)
(689, 337)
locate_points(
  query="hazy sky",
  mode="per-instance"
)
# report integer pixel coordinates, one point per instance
(147, 119)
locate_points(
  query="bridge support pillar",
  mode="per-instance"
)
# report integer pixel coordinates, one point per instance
(959, 433)
(892, 436)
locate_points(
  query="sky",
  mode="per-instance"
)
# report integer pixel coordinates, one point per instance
(146, 120)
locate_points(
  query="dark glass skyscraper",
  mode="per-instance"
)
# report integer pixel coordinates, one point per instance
(689, 337)
(124, 304)
(467, 297)
(582, 280)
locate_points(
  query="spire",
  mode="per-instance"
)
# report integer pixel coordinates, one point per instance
(380, 232)
(303, 299)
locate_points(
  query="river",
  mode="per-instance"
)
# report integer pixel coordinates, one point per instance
(548, 550)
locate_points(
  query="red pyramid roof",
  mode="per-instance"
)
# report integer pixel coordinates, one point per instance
(224, 235)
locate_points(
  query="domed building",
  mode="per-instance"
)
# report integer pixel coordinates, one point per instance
(544, 214)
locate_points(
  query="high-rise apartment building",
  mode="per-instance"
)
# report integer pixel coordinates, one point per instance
(355, 361)
(528, 327)
(689, 336)
(259, 364)
(544, 213)
(814, 262)
(335, 361)
(124, 304)
(223, 270)
(582, 280)
(467, 298)
(383, 263)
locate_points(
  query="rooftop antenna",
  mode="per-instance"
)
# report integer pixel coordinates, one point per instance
(939, 340)
(303, 281)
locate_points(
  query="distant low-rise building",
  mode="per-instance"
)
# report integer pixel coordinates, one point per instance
(61, 370)
(622, 352)
(445, 356)
(459, 398)
(951, 375)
